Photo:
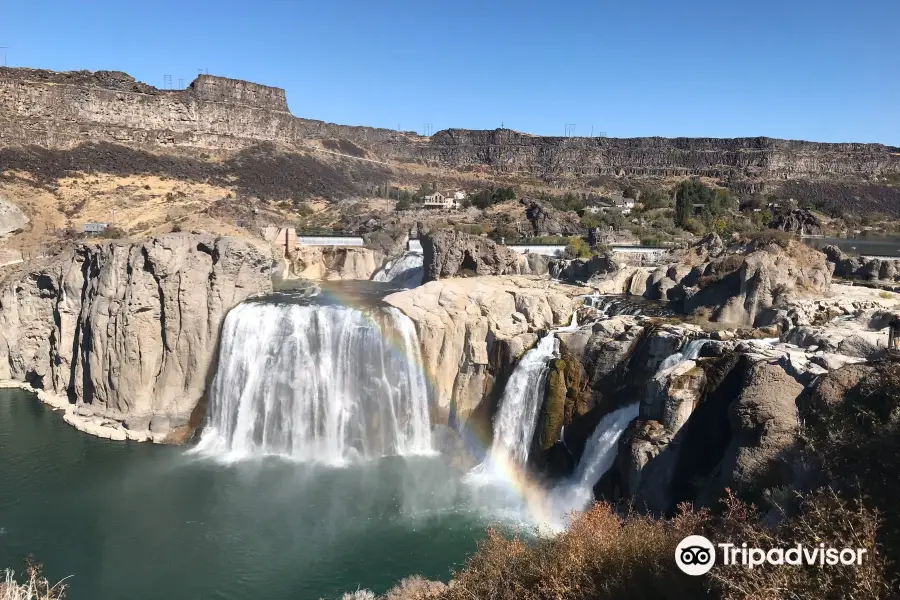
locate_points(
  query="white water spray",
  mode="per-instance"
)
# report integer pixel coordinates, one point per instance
(599, 454)
(322, 383)
(406, 271)
(520, 405)
(689, 351)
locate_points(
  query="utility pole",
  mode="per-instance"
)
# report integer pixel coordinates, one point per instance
(4, 48)
(167, 82)
(180, 83)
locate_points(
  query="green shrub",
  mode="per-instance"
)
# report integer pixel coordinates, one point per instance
(578, 247)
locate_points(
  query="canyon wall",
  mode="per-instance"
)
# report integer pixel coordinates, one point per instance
(126, 333)
(62, 110)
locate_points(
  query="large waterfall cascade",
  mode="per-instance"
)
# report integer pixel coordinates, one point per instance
(318, 383)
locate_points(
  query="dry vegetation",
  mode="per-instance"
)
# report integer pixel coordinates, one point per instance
(33, 587)
(850, 448)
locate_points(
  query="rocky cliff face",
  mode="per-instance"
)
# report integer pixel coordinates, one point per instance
(467, 326)
(327, 263)
(449, 253)
(62, 110)
(127, 332)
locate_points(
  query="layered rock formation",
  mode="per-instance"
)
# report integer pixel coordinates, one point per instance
(62, 110)
(127, 332)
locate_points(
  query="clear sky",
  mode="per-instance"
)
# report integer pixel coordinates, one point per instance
(825, 70)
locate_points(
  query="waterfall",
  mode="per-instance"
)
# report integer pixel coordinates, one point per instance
(406, 271)
(324, 383)
(611, 305)
(522, 397)
(516, 421)
(598, 457)
(689, 351)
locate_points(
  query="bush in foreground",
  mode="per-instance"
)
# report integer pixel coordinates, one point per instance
(35, 586)
(603, 555)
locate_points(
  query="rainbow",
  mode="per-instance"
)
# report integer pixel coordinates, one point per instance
(539, 508)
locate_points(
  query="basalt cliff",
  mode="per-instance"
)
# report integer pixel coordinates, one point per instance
(63, 111)
(123, 336)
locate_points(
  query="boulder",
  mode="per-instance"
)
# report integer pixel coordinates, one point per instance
(12, 218)
(451, 253)
(764, 427)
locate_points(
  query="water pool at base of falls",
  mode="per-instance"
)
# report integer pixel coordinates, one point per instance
(139, 521)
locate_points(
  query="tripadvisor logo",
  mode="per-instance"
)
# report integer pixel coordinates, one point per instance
(696, 555)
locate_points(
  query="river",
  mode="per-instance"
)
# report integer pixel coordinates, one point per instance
(139, 521)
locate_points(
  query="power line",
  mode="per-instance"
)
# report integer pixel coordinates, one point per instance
(167, 82)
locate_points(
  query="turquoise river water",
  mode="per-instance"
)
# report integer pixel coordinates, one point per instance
(139, 521)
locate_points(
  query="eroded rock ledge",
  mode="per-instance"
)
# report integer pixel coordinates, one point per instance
(124, 335)
(465, 325)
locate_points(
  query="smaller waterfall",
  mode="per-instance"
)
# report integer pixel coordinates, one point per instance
(690, 351)
(520, 404)
(406, 271)
(598, 457)
(516, 421)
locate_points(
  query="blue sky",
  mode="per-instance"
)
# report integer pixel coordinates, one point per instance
(825, 70)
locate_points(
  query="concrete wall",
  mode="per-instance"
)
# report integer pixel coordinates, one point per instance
(315, 240)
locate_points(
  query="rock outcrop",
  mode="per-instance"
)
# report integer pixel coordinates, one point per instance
(465, 324)
(764, 426)
(328, 263)
(451, 253)
(745, 283)
(11, 218)
(798, 221)
(127, 332)
(858, 267)
(548, 221)
(585, 269)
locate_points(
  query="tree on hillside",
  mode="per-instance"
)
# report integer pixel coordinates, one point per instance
(485, 198)
(687, 194)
